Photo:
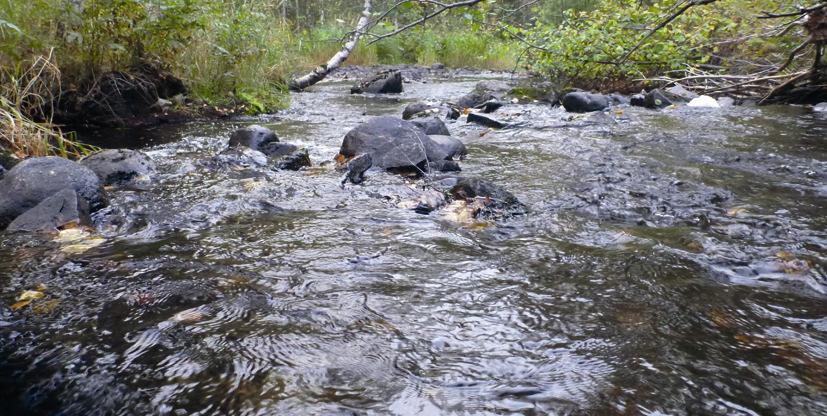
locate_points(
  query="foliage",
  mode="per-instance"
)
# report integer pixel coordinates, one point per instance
(25, 91)
(588, 47)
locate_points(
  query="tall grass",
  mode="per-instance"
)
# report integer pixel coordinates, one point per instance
(28, 91)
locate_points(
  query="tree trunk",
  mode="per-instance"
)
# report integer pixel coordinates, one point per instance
(337, 60)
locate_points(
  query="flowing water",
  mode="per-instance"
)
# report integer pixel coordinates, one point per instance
(671, 262)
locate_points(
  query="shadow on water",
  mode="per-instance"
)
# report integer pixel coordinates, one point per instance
(672, 263)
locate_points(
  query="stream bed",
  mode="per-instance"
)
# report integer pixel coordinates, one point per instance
(671, 262)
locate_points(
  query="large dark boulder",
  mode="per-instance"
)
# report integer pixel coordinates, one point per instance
(584, 102)
(60, 209)
(386, 82)
(121, 167)
(450, 146)
(33, 180)
(656, 99)
(392, 143)
(2, 171)
(255, 137)
(432, 126)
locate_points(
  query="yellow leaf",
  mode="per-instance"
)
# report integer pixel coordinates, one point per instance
(20, 305)
(30, 295)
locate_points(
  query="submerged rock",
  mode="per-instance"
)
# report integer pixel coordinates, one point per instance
(121, 167)
(488, 199)
(255, 137)
(386, 82)
(485, 121)
(356, 169)
(61, 209)
(295, 161)
(391, 143)
(432, 126)
(423, 109)
(655, 99)
(584, 102)
(237, 157)
(35, 179)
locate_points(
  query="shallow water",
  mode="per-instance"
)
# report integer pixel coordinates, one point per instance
(671, 263)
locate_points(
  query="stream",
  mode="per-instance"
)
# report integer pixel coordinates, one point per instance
(671, 262)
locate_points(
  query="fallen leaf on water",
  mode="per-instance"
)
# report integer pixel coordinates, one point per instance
(26, 298)
(31, 295)
(190, 316)
(785, 255)
(734, 212)
(78, 240)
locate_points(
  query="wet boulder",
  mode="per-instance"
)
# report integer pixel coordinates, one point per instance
(33, 180)
(356, 169)
(451, 147)
(638, 100)
(391, 143)
(121, 167)
(820, 108)
(489, 106)
(295, 161)
(386, 82)
(61, 209)
(278, 149)
(2, 171)
(584, 102)
(431, 126)
(255, 137)
(726, 101)
(486, 121)
(418, 109)
(656, 99)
